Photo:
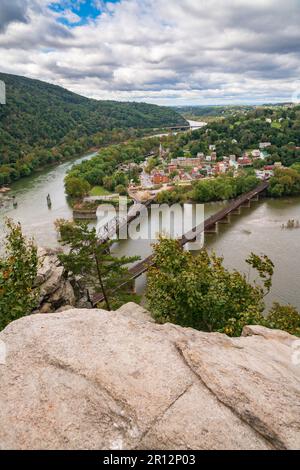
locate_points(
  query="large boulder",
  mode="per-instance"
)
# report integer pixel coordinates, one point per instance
(92, 379)
(55, 289)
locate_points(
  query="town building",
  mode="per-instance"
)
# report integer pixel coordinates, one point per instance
(264, 145)
(244, 161)
(186, 161)
(256, 153)
(159, 178)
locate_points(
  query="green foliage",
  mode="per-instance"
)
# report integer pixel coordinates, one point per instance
(121, 189)
(284, 317)
(103, 169)
(265, 268)
(296, 167)
(220, 188)
(178, 194)
(285, 182)
(43, 124)
(99, 191)
(76, 187)
(240, 129)
(151, 164)
(100, 270)
(199, 292)
(235, 325)
(18, 271)
(214, 189)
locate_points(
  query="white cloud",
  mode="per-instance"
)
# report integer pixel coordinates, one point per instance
(164, 51)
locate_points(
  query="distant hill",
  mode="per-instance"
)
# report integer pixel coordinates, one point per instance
(224, 110)
(39, 115)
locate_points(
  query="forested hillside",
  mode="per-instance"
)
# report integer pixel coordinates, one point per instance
(43, 123)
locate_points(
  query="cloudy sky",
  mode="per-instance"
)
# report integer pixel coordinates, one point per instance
(160, 51)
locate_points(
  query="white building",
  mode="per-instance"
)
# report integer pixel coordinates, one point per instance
(256, 153)
(264, 145)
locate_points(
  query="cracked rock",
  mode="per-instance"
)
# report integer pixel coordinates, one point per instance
(92, 379)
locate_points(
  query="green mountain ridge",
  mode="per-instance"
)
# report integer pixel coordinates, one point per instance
(42, 123)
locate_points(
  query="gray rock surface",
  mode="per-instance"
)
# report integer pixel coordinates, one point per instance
(91, 379)
(55, 289)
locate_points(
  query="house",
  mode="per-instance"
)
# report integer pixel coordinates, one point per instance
(209, 170)
(186, 161)
(200, 155)
(244, 161)
(220, 167)
(255, 153)
(172, 168)
(212, 148)
(195, 173)
(159, 178)
(264, 145)
(264, 174)
(233, 164)
(269, 167)
(213, 156)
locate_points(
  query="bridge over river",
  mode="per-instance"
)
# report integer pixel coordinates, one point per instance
(209, 226)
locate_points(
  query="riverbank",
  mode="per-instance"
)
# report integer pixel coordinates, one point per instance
(93, 149)
(257, 229)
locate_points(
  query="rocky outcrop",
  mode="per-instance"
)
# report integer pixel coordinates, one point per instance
(55, 289)
(91, 379)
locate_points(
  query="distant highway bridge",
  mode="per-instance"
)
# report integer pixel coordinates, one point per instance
(196, 125)
(209, 226)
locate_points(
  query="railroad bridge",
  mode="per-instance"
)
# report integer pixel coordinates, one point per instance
(209, 226)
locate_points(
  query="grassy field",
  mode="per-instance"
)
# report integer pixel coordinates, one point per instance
(99, 191)
(276, 125)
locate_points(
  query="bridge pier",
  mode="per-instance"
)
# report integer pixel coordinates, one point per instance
(236, 211)
(213, 229)
(255, 198)
(226, 220)
(247, 203)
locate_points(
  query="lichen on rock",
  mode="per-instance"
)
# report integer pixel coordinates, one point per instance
(92, 379)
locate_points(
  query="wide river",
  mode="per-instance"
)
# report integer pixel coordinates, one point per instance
(257, 229)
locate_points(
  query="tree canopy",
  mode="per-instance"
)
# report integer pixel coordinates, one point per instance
(199, 292)
(43, 123)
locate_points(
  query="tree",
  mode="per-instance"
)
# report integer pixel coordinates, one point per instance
(284, 317)
(285, 182)
(151, 164)
(18, 271)
(76, 187)
(199, 292)
(101, 271)
(121, 189)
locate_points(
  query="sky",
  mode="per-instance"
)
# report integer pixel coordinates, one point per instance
(169, 52)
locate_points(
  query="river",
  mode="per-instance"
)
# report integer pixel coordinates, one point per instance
(257, 229)
(32, 211)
